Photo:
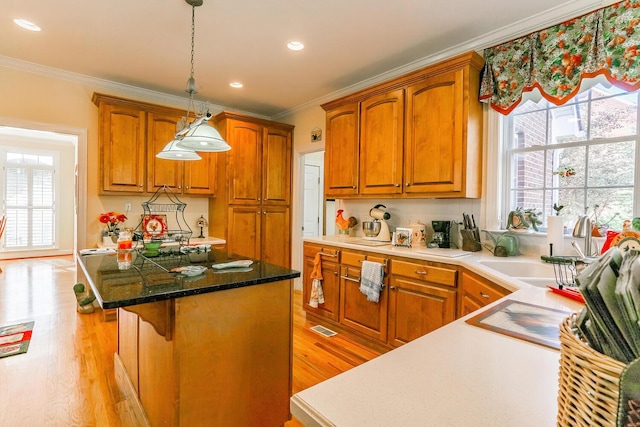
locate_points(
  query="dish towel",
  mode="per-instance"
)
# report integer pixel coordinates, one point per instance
(371, 278)
(317, 295)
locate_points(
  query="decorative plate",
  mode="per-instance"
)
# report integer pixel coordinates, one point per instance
(154, 226)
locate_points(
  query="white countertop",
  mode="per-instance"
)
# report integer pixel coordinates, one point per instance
(458, 375)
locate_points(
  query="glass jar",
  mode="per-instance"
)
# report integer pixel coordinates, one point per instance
(125, 250)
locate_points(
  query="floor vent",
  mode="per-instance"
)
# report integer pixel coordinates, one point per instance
(323, 331)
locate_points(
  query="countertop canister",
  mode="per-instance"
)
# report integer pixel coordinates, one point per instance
(418, 233)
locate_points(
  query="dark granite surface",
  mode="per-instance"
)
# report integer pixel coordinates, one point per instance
(148, 281)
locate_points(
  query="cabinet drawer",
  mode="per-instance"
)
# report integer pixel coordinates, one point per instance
(353, 259)
(329, 253)
(481, 291)
(427, 273)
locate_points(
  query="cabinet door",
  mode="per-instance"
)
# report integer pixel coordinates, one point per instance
(122, 147)
(366, 317)
(243, 238)
(435, 141)
(161, 130)
(245, 162)
(200, 175)
(342, 152)
(381, 138)
(276, 243)
(276, 167)
(330, 288)
(476, 292)
(417, 308)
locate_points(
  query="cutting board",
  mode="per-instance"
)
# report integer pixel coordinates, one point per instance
(443, 252)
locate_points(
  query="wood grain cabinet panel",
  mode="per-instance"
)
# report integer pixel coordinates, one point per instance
(381, 143)
(476, 292)
(330, 283)
(161, 129)
(254, 177)
(122, 148)
(422, 299)
(341, 156)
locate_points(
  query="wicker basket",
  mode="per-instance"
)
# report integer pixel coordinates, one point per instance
(589, 382)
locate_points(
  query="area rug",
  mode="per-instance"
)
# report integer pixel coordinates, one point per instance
(14, 339)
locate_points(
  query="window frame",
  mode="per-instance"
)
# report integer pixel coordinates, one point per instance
(4, 150)
(501, 128)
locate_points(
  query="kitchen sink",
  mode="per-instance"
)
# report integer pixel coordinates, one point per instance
(521, 268)
(535, 273)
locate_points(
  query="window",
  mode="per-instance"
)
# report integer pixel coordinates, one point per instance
(29, 199)
(580, 155)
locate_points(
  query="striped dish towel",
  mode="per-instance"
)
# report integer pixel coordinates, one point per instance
(371, 278)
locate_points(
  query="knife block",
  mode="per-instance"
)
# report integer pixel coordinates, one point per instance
(469, 242)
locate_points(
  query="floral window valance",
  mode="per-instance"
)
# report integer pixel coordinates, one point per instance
(605, 42)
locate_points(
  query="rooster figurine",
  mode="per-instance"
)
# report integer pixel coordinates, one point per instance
(342, 223)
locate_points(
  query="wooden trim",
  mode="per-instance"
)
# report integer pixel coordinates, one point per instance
(129, 391)
(159, 314)
(99, 98)
(234, 116)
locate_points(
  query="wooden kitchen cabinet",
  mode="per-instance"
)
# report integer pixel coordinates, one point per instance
(420, 135)
(131, 134)
(122, 147)
(330, 283)
(183, 176)
(422, 299)
(341, 156)
(381, 143)
(476, 292)
(366, 317)
(252, 210)
(443, 134)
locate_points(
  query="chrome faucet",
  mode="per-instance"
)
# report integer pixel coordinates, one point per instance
(584, 228)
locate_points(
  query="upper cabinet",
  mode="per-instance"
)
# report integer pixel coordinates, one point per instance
(419, 135)
(131, 134)
(342, 151)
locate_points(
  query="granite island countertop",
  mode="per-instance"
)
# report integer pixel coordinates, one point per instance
(150, 279)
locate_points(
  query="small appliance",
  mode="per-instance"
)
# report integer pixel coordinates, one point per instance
(441, 234)
(379, 217)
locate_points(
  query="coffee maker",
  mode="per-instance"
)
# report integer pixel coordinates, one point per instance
(441, 234)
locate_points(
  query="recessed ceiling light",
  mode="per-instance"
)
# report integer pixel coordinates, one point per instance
(236, 85)
(27, 25)
(295, 45)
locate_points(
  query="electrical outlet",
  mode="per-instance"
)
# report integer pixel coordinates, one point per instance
(127, 206)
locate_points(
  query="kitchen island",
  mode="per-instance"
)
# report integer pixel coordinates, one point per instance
(213, 349)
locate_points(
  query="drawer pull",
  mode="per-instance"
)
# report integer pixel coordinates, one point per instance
(329, 255)
(393, 288)
(351, 279)
(483, 295)
(420, 272)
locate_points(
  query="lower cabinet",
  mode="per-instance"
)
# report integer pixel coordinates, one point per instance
(422, 299)
(476, 292)
(417, 297)
(329, 258)
(356, 312)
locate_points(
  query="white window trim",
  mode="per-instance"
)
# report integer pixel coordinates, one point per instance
(4, 149)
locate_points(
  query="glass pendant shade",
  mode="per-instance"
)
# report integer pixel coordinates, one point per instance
(172, 151)
(203, 137)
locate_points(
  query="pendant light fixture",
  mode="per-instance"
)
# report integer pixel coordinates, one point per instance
(198, 135)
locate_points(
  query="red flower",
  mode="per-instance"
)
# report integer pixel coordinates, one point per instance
(112, 219)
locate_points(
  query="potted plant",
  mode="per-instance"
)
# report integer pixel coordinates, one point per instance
(522, 219)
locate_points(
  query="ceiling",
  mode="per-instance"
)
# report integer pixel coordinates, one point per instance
(348, 43)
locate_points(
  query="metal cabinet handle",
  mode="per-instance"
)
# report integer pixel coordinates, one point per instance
(393, 288)
(140, 185)
(351, 279)
(335, 273)
(329, 255)
(483, 295)
(420, 272)
(397, 185)
(407, 184)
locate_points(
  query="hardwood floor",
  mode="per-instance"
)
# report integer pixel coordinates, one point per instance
(66, 378)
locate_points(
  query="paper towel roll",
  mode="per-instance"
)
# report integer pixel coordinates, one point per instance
(555, 235)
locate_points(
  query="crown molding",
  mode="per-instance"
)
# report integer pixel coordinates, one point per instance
(517, 29)
(113, 88)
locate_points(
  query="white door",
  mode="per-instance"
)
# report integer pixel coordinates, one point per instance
(311, 224)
